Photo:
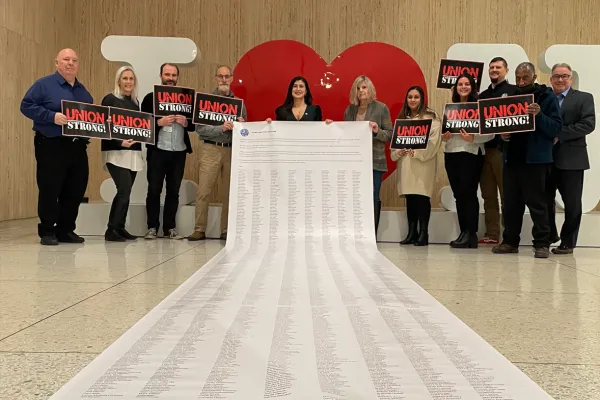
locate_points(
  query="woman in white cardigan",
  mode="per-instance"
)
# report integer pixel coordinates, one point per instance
(416, 170)
(463, 158)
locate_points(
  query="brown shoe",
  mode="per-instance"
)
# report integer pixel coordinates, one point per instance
(504, 248)
(196, 236)
(562, 250)
(542, 252)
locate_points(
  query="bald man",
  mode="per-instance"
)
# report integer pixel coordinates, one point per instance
(62, 162)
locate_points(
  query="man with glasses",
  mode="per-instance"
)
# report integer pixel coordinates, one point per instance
(570, 156)
(215, 160)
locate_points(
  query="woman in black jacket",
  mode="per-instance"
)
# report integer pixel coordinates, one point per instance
(122, 158)
(298, 104)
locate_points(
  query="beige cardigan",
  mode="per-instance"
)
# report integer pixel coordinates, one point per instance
(416, 175)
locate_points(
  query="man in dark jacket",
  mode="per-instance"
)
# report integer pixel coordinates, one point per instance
(166, 161)
(570, 156)
(491, 173)
(527, 162)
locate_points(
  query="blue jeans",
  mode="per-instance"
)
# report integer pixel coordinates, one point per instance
(377, 179)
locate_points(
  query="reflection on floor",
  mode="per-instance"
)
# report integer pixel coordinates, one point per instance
(61, 306)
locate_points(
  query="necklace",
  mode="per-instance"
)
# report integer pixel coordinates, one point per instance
(299, 111)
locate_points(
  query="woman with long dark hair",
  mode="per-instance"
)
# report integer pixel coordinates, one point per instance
(463, 158)
(415, 173)
(298, 104)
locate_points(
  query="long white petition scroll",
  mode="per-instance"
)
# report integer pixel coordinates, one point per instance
(300, 304)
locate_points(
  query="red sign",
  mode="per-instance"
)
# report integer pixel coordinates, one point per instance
(173, 100)
(450, 70)
(210, 109)
(506, 114)
(131, 125)
(85, 120)
(461, 116)
(411, 134)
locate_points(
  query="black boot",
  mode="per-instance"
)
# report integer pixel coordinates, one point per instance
(468, 241)
(111, 235)
(423, 212)
(423, 239)
(460, 238)
(411, 238)
(377, 214)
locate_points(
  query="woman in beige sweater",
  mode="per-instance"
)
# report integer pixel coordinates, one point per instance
(416, 169)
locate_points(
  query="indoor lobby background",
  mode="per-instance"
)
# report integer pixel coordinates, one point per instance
(62, 306)
(33, 31)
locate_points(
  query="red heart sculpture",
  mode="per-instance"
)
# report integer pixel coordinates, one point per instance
(263, 74)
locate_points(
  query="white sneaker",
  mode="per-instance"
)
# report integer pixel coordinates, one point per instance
(174, 235)
(151, 234)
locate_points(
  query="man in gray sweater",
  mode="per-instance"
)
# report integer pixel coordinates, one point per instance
(215, 160)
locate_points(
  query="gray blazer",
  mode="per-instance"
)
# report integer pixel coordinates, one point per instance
(379, 113)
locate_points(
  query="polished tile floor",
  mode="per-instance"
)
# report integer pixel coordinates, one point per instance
(61, 306)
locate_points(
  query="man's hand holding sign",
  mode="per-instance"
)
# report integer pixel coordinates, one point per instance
(507, 115)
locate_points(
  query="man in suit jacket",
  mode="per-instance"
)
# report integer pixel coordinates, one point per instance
(570, 156)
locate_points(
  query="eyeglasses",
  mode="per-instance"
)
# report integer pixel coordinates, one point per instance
(223, 76)
(563, 77)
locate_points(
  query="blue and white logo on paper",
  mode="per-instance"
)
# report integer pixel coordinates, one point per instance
(244, 132)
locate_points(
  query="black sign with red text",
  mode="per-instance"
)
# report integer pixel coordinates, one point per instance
(411, 134)
(459, 116)
(85, 120)
(131, 125)
(506, 114)
(173, 100)
(214, 110)
(450, 70)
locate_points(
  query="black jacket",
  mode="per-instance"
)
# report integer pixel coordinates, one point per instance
(536, 146)
(312, 113)
(148, 106)
(113, 101)
(579, 120)
(502, 89)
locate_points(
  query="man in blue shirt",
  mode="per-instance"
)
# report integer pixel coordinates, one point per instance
(62, 162)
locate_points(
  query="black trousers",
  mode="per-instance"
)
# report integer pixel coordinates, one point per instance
(525, 185)
(62, 175)
(570, 186)
(124, 179)
(164, 165)
(464, 172)
(418, 210)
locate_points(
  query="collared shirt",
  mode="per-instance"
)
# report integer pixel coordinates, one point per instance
(43, 100)
(215, 133)
(561, 97)
(172, 138)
